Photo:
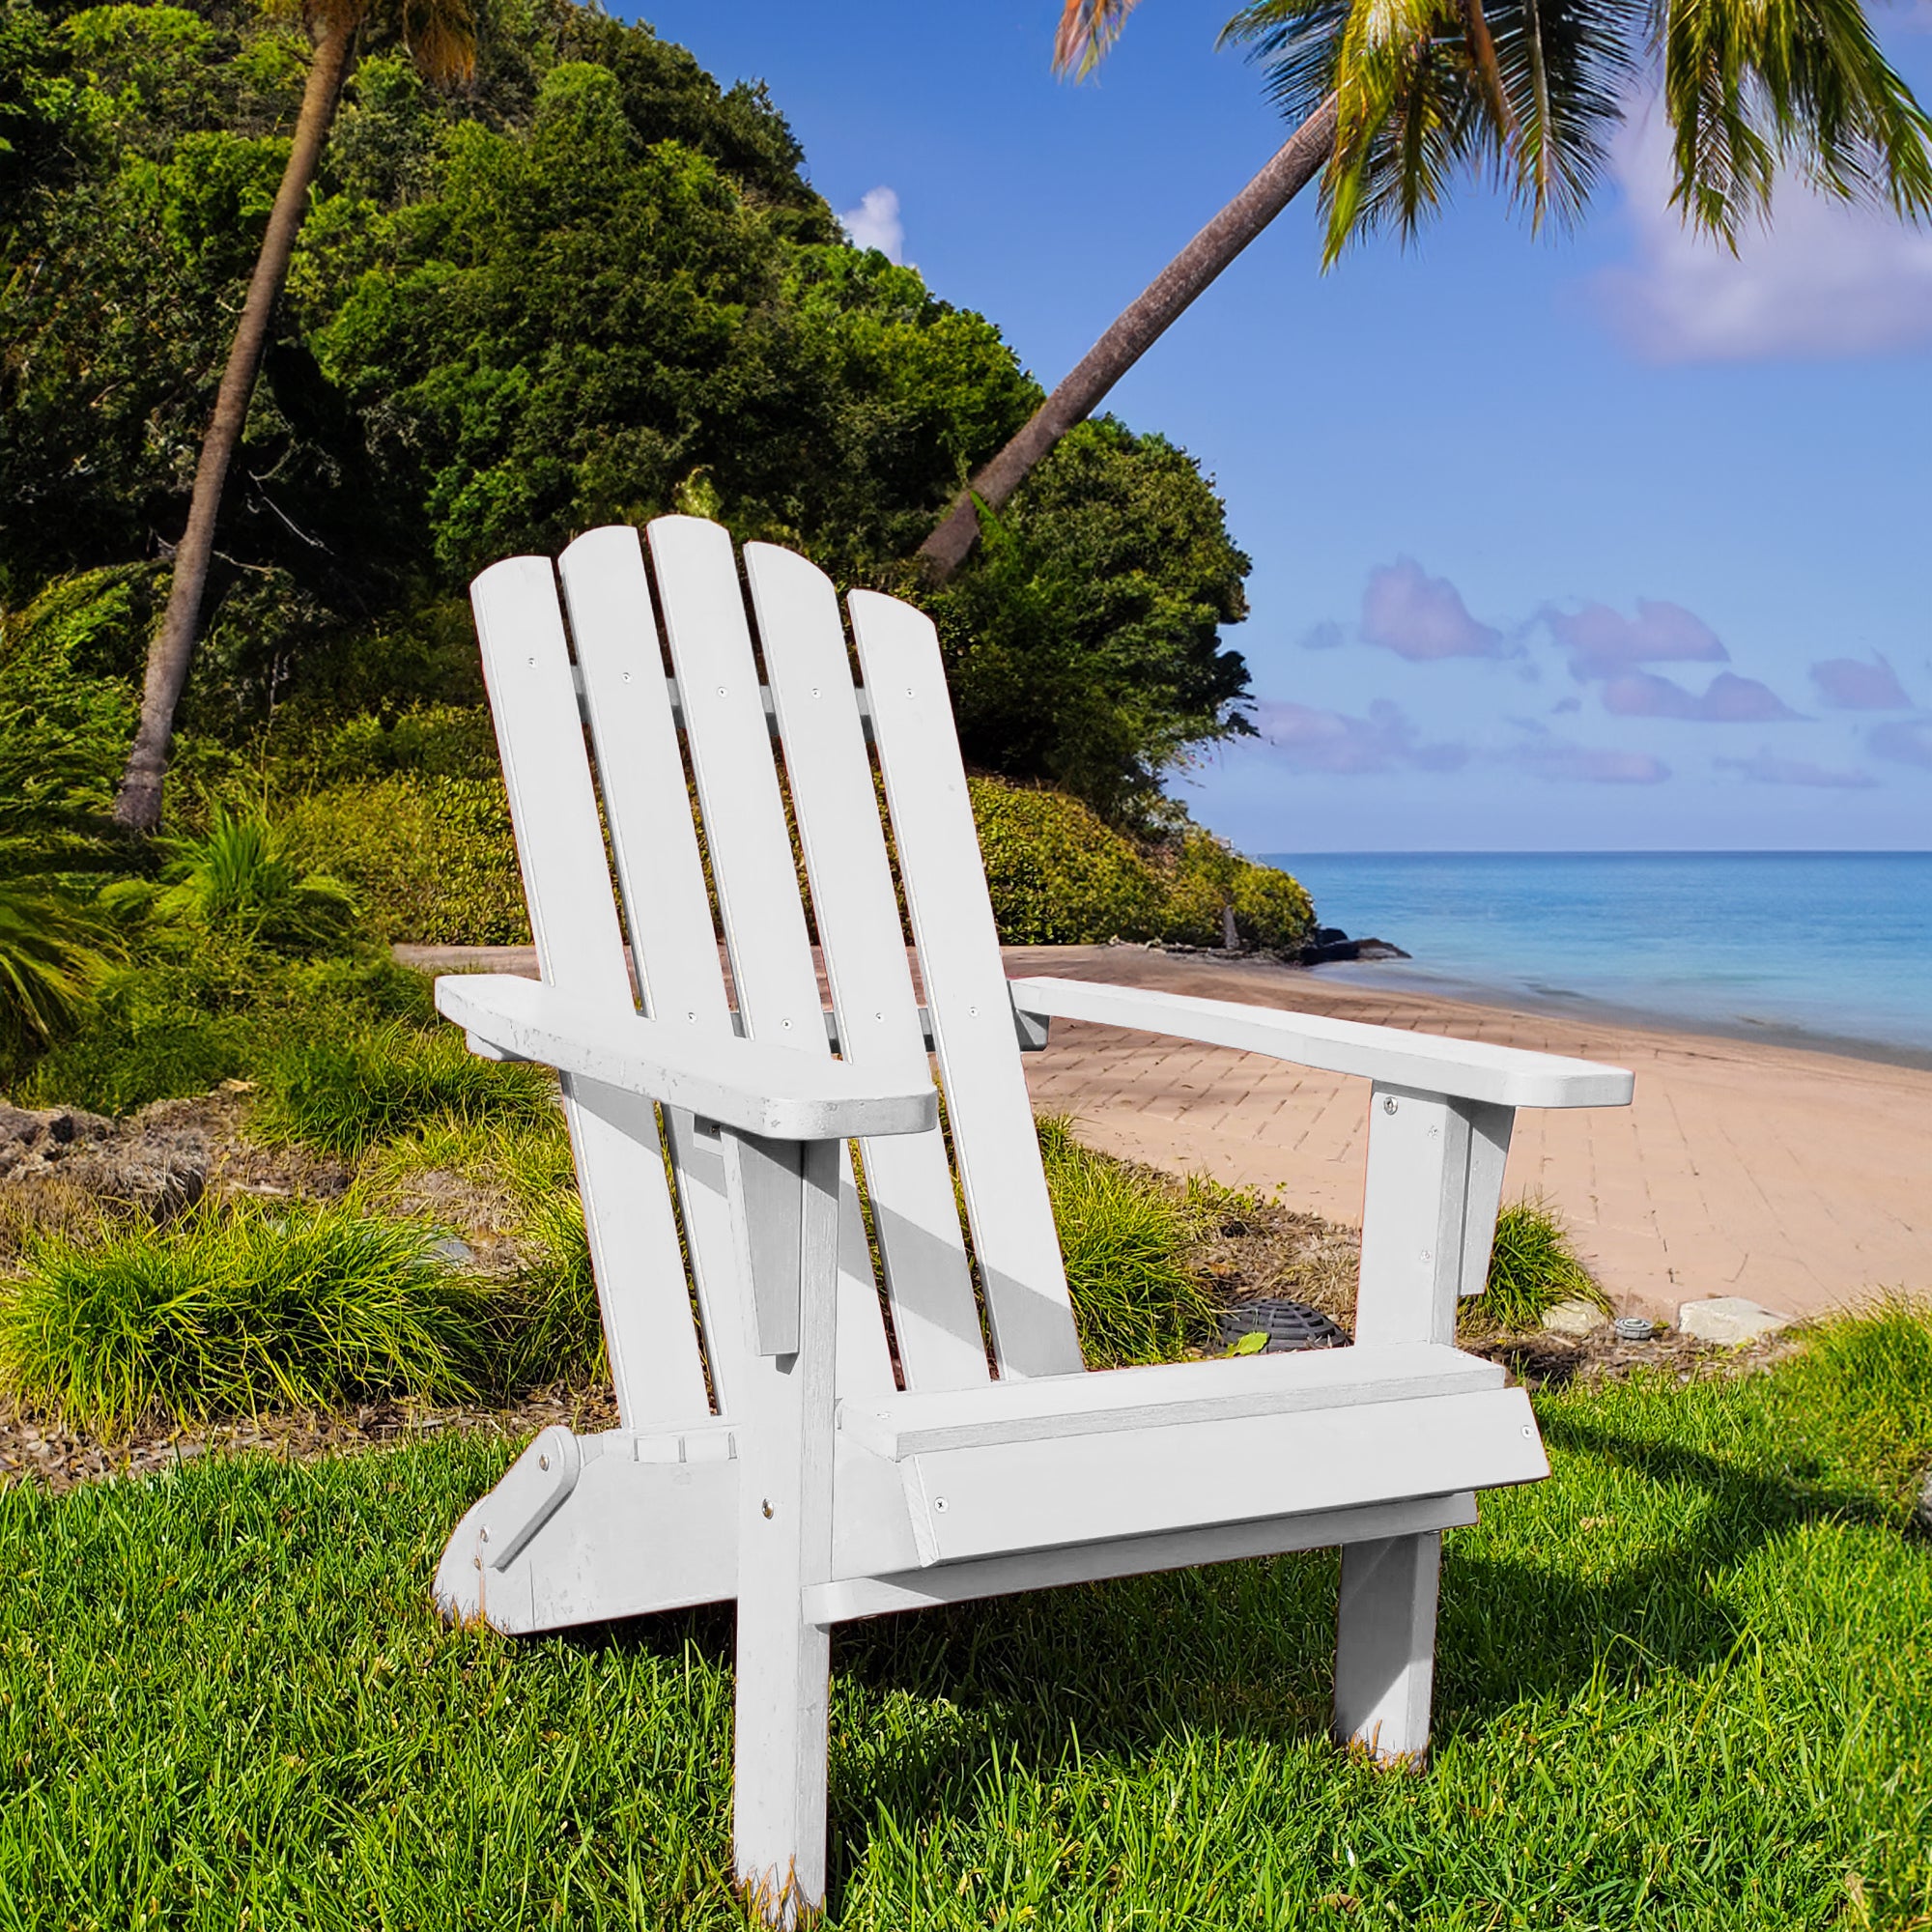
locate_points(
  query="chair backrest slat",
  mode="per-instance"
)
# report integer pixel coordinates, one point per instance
(915, 1212)
(1015, 1242)
(627, 1208)
(661, 874)
(751, 864)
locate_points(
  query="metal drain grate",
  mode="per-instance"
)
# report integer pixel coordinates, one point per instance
(1288, 1325)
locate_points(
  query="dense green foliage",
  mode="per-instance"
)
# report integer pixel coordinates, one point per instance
(1683, 1683)
(589, 286)
(1084, 648)
(1060, 876)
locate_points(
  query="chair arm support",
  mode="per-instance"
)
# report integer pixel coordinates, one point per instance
(776, 1093)
(1463, 1069)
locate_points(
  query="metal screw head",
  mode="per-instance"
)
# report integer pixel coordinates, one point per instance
(768, 1506)
(1388, 1104)
(543, 1461)
(483, 1534)
(939, 1503)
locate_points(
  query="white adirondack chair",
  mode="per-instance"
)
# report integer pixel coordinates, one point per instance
(767, 1451)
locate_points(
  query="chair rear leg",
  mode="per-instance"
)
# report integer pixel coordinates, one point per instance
(1386, 1645)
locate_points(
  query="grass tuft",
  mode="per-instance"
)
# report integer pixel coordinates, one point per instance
(1857, 1396)
(231, 1313)
(340, 1093)
(1123, 1241)
(1532, 1267)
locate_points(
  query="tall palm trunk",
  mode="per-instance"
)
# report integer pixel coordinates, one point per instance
(138, 804)
(1159, 304)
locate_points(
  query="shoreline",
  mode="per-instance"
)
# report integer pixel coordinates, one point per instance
(1405, 975)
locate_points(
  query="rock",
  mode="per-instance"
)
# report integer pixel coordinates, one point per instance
(1332, 952)
(1577, 1316)
(1921, 1514)
(1729, 1320)
(458, 1254)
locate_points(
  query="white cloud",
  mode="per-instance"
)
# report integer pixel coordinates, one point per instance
(1601, 642)
(1423, 619)
(1308, 740)
(875, 224)
(1824, 280)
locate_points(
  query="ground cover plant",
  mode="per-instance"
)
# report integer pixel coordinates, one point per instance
(237, 1309)
(1681, 1684)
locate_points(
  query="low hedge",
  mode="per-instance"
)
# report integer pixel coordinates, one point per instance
(432, 856)
(434, 860)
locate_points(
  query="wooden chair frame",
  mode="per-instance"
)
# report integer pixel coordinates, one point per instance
(825, 1441)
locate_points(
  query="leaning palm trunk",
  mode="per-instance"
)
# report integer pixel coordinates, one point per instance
(138, 806)
(1139, 326)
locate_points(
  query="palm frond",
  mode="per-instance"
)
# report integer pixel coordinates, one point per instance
(1296, 43)
(1753, 85)
(1088, 28)
(1568, 67)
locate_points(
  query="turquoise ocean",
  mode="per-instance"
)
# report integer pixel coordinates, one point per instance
(1832, 949)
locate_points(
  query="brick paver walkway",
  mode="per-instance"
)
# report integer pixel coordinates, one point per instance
(1797, 1179)
(1800, 1179)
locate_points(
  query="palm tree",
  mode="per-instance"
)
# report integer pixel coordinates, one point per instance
(1392, 99)
(441, 37)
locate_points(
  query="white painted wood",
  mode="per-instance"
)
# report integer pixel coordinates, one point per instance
(537, 1485)
(627, 1210)
(1429, 1212)
(765, 1182)
(1163, 1395)
(776, 1092)
(785, 1547)
(1000, 1497)
(752, 862)
(1386, 1645)
(808, 1508)
(1467, 1069)
(627, 703)
(1013, 1239)
(915, 1212)
(838, 1602)
(651, 1524)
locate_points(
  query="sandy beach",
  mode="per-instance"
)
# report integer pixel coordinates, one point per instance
(1800, 1179)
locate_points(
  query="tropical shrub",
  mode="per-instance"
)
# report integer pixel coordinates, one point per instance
(53, 953)
(240, 880)
(1201, 874)
(1058, 873)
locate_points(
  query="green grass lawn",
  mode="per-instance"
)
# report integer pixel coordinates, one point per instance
(1685, 1683)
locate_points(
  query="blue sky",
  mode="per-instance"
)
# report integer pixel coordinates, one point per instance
(1605, 542)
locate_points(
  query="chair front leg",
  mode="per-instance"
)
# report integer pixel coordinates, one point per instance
(785, 1208)
(1429, 1220)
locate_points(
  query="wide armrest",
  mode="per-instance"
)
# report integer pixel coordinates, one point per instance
(1469, 1070)
(775, 1092)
